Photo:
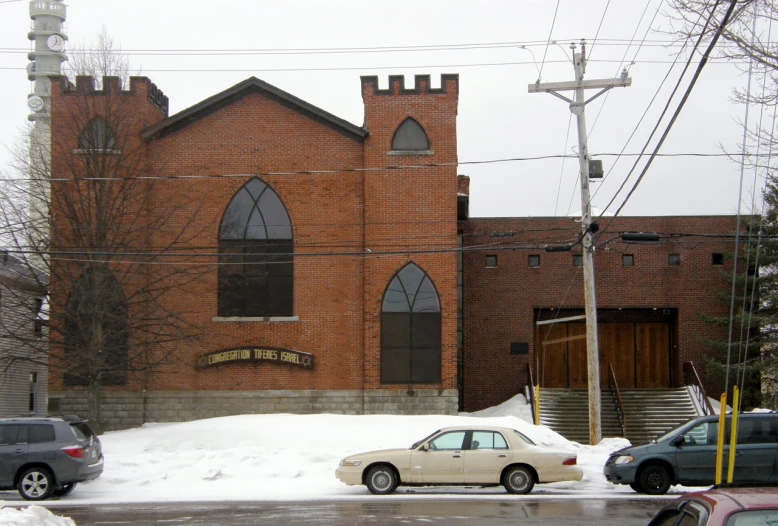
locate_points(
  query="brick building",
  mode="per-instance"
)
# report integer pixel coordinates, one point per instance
(338, 270)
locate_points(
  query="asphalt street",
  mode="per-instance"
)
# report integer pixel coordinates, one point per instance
(444, 510)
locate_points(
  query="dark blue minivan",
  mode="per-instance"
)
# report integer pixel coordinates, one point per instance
(687, 455)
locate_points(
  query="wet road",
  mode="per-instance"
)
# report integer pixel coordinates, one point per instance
(526, 511)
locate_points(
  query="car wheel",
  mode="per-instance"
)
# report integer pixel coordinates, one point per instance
(65, 489)
(636, 487)
(654, 480)
(381, 480)
(519, 480)
(35, 484)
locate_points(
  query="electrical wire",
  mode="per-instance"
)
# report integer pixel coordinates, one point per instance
(605, 12)
(548, 41)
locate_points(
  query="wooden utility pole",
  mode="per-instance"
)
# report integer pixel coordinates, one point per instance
(588, 227)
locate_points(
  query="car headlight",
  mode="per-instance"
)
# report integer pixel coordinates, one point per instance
(625, 459)
(352, 463)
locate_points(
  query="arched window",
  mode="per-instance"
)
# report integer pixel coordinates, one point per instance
(410, 329)
(410, 136)
(96, 330)
(255, 247)
(97, 135)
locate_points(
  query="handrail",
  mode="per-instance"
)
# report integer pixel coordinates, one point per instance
(532, 396)
(690, 377)
(614, 387)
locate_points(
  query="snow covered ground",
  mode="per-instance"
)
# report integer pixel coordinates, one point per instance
(287, 457)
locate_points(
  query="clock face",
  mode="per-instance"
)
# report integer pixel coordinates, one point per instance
(35, 103)
(55, 43)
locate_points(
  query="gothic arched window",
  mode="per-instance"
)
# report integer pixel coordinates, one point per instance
(96, 330)
(410, 136)
(97, 135)
(256, 261)
(410, 329)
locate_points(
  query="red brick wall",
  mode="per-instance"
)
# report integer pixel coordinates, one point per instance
(336, 217)
(499, 303)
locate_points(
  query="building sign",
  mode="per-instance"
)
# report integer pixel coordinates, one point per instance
(256, 354)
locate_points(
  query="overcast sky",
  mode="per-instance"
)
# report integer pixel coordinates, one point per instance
(498, 118)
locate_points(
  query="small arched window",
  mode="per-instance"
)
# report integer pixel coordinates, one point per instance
(410, 329)
(410, 136)
(97, 135)
(256, 261)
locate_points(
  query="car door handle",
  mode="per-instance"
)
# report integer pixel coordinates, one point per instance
(19, 451)
(501, 456)
(457, 456)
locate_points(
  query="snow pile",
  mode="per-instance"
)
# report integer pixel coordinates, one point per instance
(31, 516)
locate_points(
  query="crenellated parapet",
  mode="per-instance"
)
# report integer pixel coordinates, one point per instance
(449, 83)
(139, 87)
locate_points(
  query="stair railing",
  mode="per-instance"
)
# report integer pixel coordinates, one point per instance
(690, 377)
(533, 396)
(617, 401)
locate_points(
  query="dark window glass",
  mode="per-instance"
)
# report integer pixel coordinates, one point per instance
(628, 260)
(718, 258)
(410, 136)
(577, 260)
(97, 135)
(96, 310)
(674, 260)
(8, 434)
(410, 329)
(534, 261)
(40, 433)
(666, 518)
(491, 261)
(256, 263)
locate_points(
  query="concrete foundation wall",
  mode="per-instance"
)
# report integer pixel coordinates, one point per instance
(123, 410)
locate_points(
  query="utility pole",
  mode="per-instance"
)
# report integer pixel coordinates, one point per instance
(587, 226)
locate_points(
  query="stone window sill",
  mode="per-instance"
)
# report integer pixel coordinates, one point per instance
(254, 319)
(97, 151)
(410, 152)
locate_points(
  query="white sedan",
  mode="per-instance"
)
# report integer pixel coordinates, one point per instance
(466, 456)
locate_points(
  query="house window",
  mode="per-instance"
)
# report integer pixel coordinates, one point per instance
(33, 391)
(97, 135)
(627, 260)
(37, 321)
(718, 258)
(674, 260)
(410, 136)
(491, 261)
(533, 260)
(410, 329)
(255, 255)
(577, 260)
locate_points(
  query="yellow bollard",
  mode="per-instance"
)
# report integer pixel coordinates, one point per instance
(720, 443)
(733, 435)
(537, 405)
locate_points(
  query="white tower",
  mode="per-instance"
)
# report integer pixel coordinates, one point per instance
(46, 59)
(48, 17)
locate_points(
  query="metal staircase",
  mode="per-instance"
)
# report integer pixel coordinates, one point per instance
(648, 412)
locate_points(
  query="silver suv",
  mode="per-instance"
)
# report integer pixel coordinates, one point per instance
(44, 456)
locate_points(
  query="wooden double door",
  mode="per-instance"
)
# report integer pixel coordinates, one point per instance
(638, 352)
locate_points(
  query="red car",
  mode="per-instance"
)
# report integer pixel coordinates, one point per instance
(722, 506)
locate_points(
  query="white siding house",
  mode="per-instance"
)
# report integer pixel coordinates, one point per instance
(23, 339)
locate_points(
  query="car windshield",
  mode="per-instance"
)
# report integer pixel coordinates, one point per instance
(416, 444)
(525, 438)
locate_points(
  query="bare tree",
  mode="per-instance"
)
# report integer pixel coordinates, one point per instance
(114, 249)
(749, 38)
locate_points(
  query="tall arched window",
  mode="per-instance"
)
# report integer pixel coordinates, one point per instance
(96, 330)
(255, 247)
(97, 135)
(410, 136)
(410, 329)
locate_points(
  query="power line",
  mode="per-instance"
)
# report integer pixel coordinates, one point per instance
(335, 171)
(548, 41)
(605, 12)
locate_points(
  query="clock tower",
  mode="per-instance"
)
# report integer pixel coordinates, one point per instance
(47, 56)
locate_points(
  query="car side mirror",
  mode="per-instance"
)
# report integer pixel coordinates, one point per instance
(679, 441)
(425, 447)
